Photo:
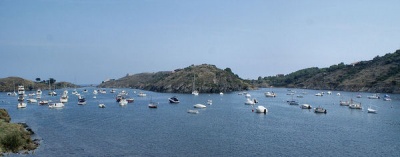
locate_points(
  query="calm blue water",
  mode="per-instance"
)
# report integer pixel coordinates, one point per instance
(226, 128)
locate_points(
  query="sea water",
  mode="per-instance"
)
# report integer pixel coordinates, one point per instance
(228, 127)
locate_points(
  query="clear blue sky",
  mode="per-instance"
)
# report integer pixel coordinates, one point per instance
(90, 41)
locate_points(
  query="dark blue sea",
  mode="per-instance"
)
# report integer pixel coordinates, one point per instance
(228, 127)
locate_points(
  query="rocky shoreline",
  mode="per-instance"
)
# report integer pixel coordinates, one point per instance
(16, 137)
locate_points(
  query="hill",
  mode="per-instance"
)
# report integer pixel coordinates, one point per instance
(381, 74)
(208, 79)
(10, 84)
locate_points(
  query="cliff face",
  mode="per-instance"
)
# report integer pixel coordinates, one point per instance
(382, 74)
(206, 79)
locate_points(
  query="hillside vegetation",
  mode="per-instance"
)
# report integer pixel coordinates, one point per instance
(208, 79)
(381, 74)
(10, 84)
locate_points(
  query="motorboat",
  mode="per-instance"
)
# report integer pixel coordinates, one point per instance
(195, 92)
(250, 101)
(102, 106)
(85, 91)
(209, 102)
(247, 95)
(123, 101)
(56, 105)
(338, 94)
(21, 90)
(305, 106)
(130, 100)
(141, 94)
(173, 100)
(221, 93)
(193, 111)
(319, 110)
(39, 92)
(103, 91)
(52, 93)
(112, 91)
(370, 110)
(95, 92)
(64, 97)
(43, 102)
(344, 103)
(329, 93)
(374, 96)
(358, 96)
(387, 98)
(21, 98)
(261, 109)
(152, 105)
(270, 94)
(81, 100)
(21, 105)
(38, 96)
(31, 100)
(354, 105)
(319, 94)
(200, 106)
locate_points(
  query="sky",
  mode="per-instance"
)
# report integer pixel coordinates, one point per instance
(86, 42)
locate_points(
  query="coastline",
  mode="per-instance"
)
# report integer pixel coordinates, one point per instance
(15, 137)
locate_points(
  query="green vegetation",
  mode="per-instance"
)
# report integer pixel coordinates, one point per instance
(10, 84)
(13, 137)
(209, 79)
(380, 74)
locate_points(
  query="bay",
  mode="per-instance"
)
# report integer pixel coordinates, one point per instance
(228, 127)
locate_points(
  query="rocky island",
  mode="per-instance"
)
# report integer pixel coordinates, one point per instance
(204, 78)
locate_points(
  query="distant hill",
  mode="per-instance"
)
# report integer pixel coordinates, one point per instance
(10, 84)
(381, 74)
(208, 79)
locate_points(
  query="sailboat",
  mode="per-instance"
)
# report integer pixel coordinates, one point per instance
(194, 91)
(152, 104)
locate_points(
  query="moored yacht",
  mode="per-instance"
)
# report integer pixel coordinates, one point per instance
(261, 109)
(173, 100)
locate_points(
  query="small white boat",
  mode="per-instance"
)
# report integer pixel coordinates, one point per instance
(319, 94)
(374, 96)
(387, 98)
(270, 94)
(329, 93)
(247, 95)
(250, 101)
(56, 105)
(319, 110)
(354, 105)
(338, 94)
(81, 100)
(21, 105)
(261, 109)
(102, 106)
(370, 110)
(200, 106)
(123, 102)
(141, 94)
(209, 102)
(152, 105)
(305, 106)
(193, 111)
(195, 92)
(95, 92)
(39, 92)
(31, 100)
(21, 90)
(221, 93)
(94, 97)
(173, 100)
(43, 102)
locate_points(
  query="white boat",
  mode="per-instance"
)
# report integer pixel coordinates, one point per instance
(194, 91)
(141, 94)
(103, 91)
(123, 102)
(306, 106)
(354, 105)
(81, 100)
(112, 91)
(270, 94)
(31, 100)
(21, 90)
(64, 97)
(374, 96)
(21, 105)
(200, 106)
(247, 95)
(102, 106)
(193, 111)
(387, 98)
(94, 92)
(338, 94)
(173, 100)
(39, 92)
(329, 93)
(221, 93)
(39, 96)
(370, 110)
(74, 92)
(250, 101)
(359, 96)
(43, 102)
(209, 102)
(344, 103)
(319, 94)
(152, 105)
(319, 110)
(261, 109)
(56, 105)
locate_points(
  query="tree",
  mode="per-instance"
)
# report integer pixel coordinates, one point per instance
(228, 70)
(38, 79)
